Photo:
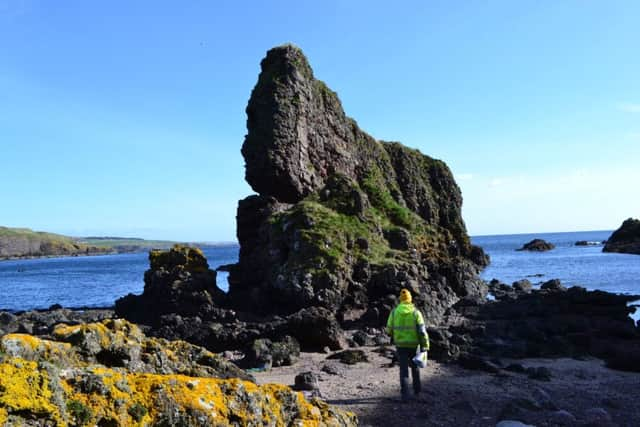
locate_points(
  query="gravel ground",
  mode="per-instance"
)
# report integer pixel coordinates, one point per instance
(580, 393)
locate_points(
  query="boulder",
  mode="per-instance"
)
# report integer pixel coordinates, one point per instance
(306, 381)
(537, 245)
(625, 239)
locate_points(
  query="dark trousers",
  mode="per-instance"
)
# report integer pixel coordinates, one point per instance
(404, 359)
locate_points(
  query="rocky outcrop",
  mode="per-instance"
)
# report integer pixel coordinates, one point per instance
(110, 374)
(625, 239)
(550, 322)
(341, 220)
(537, 245)
(178, 282)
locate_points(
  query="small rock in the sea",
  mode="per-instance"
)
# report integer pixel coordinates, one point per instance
(537, 245)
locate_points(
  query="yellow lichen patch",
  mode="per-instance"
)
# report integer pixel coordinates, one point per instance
(25, 389)
(32, 348)
(91, 395)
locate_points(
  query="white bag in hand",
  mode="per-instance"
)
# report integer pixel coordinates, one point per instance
(420, 359)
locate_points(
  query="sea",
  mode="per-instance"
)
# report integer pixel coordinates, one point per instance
(97, 281)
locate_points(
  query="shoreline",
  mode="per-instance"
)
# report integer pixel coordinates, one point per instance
(28, 257)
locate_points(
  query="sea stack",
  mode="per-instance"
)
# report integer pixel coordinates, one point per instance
(625, 239)
(342, 220)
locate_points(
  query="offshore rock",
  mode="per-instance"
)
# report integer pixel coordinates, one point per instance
(341, 221)
(625, 239)
(142, 381)
(537, 245)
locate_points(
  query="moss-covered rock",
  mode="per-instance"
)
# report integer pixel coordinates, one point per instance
(340, 213)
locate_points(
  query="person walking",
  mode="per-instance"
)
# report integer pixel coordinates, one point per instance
(407, 330)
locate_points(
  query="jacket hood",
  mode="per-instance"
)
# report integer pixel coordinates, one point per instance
(405, 308)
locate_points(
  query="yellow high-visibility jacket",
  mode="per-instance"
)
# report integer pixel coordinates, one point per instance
(406, 327)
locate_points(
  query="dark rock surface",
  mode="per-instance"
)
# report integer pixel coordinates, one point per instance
(537, 245)
(550, 322)
(625, 239)
(341, 220)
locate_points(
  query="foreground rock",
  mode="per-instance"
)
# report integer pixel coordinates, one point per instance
(625, 239)
(110, 374)
(537, 245)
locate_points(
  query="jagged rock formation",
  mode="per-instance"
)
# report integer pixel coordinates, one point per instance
(110, 374)
(342, 220)
(625, 239)
(537, 245)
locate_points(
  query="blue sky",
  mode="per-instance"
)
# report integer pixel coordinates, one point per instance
(126, 118)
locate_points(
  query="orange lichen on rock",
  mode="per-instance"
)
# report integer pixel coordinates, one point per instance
(106, 396)
(111, 374)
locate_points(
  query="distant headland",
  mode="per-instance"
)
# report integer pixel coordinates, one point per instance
(19, 243)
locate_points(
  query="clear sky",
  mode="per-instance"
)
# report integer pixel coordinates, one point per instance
(127, 117)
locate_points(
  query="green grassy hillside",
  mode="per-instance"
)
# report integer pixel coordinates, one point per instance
(24, 242)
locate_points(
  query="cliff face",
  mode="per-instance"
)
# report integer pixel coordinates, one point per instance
(341, 220)
(625, 239)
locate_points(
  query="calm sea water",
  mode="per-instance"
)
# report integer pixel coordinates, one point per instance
(98, 281)
(95, 281)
